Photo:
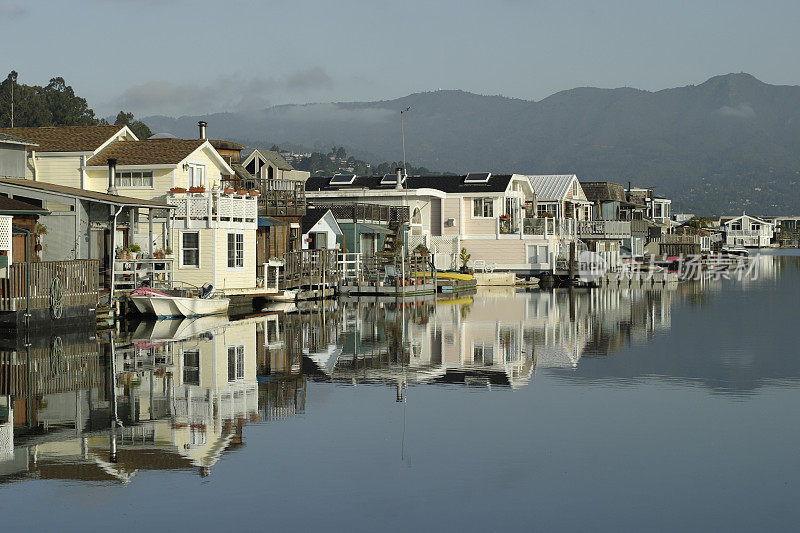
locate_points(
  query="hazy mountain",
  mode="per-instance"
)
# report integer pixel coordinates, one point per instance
(722, 146)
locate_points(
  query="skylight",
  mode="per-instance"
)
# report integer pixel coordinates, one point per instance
(478, 177)
(343, 179)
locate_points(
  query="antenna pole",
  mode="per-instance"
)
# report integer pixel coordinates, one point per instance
(403, 136)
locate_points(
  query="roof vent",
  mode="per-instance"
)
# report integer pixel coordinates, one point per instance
(342, 179)
(478, 177)
(391, 179)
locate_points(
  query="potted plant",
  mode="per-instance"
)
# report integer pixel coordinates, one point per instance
(464, 257)
(135, 249)
(168, 251)
(422, 250)
(158, 254)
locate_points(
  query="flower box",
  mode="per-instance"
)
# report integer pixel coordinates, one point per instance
(177, 190)
(253, 193)
(197, 190)
(228, 191)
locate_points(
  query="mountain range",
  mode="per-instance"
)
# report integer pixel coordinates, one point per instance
(723, 146)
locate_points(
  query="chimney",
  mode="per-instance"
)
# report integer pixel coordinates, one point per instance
(399, 183)
(112, 169)
(202, 124)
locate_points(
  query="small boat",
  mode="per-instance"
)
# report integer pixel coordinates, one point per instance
(735, 250)
(152, 302)
(289, 295)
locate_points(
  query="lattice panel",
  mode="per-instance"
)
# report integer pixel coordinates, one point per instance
(198, 207)
(5, 233)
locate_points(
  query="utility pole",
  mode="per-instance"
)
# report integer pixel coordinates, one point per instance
(403, 135)
(13, 82)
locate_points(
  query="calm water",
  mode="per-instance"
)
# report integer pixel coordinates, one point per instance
(605, 410)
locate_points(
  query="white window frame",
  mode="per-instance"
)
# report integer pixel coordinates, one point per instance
(192, 171)
(237, 351)
(485, 201)
(181, 264)
(239, 261)
(120, 176)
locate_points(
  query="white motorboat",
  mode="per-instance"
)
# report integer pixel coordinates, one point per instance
(160, 304)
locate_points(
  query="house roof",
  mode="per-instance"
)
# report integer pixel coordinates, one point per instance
(222, 144)
(604, 191)
(9, 206)
(448, 184)
(241, 172)
(726, 222)
(310, 219)
(63, 190)
(274, 157)
(13, 139)
(147, 152)
(66, 138)
(552, 187)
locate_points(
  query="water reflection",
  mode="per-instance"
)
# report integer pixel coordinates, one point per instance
(177, 395)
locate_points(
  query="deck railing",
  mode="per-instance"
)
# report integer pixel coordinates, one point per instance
(130, 273)
(604, 229)
(310, 267)
(275, 197)
(548, 226)
(364, 212)
(77, 284)
(213, 207)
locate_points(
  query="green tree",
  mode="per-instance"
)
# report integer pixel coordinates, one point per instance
(139, 128)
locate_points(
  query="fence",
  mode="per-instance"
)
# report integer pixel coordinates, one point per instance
(214, 206)
(310, 267)
(52, 283)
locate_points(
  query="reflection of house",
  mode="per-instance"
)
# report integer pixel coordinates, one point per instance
(748, 231)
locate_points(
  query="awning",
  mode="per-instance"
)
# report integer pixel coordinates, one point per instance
(269, 221)
(363, 227)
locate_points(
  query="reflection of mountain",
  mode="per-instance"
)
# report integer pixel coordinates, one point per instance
(733, 338)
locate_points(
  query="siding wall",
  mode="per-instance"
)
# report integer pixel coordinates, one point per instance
(217, 272)
(450, 210)
(12, 161)
(499, 252)
(480, 226)
(59, 170)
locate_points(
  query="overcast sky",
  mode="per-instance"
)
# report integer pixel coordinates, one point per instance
(193, 57)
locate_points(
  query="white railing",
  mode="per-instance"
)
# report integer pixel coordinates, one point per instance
(350, 265)
(604, 228)
(763, 232)
(213, 206)
(548, 227)
(131, 273)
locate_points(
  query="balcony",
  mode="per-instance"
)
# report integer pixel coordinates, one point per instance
(214, 209)
(129, 274)
(363, 212)
(604, 229)
(276, 198)
(763, 232)
(548, 227)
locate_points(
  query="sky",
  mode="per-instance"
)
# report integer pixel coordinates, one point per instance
(192, 57)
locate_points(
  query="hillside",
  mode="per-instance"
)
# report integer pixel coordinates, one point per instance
(725, 145)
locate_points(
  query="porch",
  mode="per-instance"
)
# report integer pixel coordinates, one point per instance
(214, 209)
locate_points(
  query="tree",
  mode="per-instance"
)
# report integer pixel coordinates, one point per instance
(139, 128)
(53, 105)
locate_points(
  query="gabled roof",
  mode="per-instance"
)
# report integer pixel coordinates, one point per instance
(497, 183)
(604, 191)
(13, 139)
(552, 187)
(66, 138)
(9, 206)
(268, 155)
(743, 215)
(63, 190)
(312, 216)
(147, 152)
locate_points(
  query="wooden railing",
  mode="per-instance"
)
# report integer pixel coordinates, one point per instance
(79, 281)
(54, 369)
(310, 267)
(363, 212)
(130, 273)
(275, 197)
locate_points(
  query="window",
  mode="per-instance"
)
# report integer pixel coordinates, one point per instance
(235, 363)
(574, 189)
(197, 175)
(736, 226)
(134, 180)
(482, 354)
(541, 209)
(190, 249)
(191, 368)
(235, 250)
(656, 210)
(483, 208)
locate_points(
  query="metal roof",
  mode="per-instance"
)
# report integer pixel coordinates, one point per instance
(552, 187)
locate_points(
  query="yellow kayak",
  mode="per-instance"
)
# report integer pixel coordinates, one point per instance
(446, 275)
